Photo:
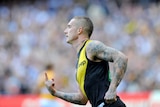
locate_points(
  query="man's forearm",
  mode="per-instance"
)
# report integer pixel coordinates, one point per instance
(75, 98)
(119, 69)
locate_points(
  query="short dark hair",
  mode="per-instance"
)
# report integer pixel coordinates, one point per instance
(86, 23)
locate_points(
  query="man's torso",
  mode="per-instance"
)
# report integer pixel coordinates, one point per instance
(93, 77)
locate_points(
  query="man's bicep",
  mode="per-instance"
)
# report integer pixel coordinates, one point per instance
(100, 51)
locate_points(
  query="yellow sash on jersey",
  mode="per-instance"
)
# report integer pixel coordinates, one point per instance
(81, 68)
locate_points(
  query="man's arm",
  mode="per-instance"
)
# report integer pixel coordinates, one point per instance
(97, 51)
(76, 98)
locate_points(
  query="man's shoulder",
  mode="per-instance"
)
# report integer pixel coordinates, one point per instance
(93, 48)
(93, 44)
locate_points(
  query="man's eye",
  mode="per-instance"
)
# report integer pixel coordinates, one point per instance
(69, 26)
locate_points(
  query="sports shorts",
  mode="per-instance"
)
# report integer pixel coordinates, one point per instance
(118, 103)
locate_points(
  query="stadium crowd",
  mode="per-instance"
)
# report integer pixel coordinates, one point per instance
(31, 36)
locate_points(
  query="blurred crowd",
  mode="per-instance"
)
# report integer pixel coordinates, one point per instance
(31, 36)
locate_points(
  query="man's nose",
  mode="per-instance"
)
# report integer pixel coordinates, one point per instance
(65, 31)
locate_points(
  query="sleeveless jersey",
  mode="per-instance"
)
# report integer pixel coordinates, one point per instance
(92, 77)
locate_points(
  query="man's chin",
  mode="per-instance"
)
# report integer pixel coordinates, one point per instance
(68, 42)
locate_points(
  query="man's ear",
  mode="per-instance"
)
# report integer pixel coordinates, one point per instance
(80, 30)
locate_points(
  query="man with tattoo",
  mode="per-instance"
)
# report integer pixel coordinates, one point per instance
(97, 83)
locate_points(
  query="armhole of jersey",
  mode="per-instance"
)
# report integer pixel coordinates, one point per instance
(109, 73)
(86, 51)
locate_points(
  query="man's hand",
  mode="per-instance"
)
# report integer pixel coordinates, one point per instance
(49, 84)
(110, 97)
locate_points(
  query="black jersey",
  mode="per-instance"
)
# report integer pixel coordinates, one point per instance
(93, 77)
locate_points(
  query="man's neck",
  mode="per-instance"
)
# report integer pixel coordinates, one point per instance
(79, 44)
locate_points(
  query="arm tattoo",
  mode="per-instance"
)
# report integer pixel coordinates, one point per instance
(72, 98)
(119, 68)
(101, 51)
(75, 98)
